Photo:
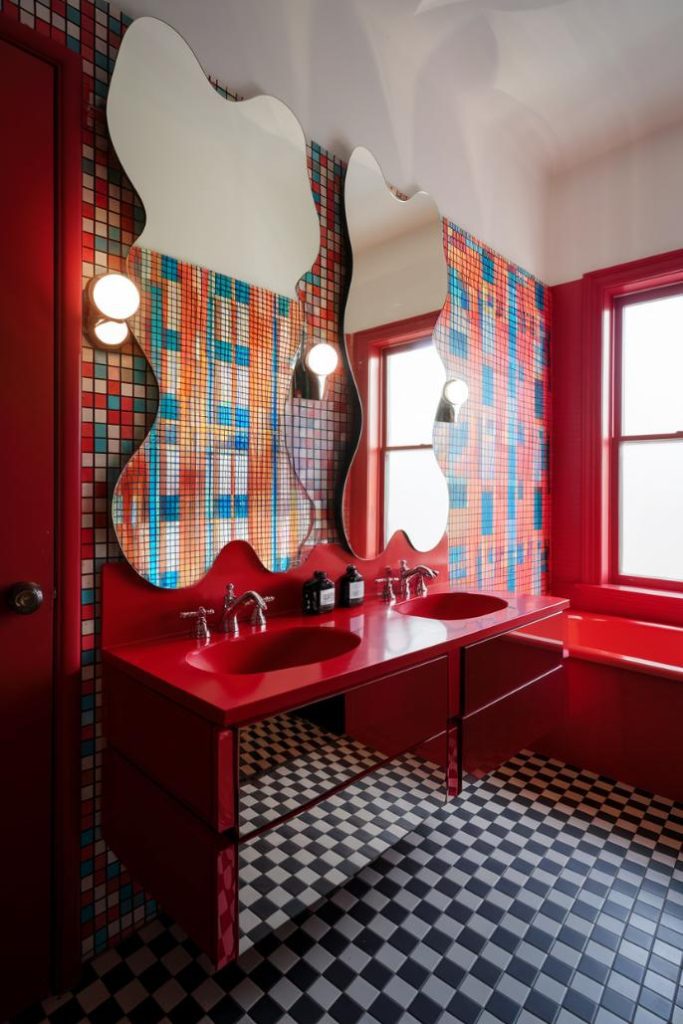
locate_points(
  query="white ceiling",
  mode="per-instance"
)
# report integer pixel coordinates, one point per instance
(476, 101)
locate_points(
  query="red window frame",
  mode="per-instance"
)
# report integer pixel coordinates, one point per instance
(363, 490)
(389, 348)
(617, 438)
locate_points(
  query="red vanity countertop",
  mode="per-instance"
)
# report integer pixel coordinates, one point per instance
(389, 641)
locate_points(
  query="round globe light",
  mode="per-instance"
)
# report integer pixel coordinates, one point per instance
(321, 359)
(111, 332)
(456, 391)
(115, 296)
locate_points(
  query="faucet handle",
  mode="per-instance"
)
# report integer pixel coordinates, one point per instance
(229, 593)
(258, 616)
(387, 581)
(200, 630)
(424, 573)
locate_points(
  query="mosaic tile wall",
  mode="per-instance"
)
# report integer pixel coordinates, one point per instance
(214, 467)
(494, 333)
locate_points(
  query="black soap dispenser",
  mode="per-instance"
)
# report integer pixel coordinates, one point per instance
(318, 594)
(351, 588)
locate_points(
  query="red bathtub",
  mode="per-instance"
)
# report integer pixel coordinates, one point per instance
(624, 700)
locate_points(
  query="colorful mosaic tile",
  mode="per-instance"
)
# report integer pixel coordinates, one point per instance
(214, 467)
(494, 331)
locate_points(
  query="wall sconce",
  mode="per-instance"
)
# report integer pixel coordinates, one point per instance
(313, 367)
(454, 395)
(110, 301)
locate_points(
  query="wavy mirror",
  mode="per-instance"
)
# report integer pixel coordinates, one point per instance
(231, 227)
(397, 291)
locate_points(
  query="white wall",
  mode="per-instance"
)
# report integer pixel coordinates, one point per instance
(426, 103)
(623, 206)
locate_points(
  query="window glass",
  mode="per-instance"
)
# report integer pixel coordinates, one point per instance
(415, 497)
(411, 374)
(651, 509)
(652, 366)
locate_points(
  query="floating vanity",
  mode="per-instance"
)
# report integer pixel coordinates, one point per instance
(211, 745)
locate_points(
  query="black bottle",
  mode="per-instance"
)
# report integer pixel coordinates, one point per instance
(318, 594)
(351, 588)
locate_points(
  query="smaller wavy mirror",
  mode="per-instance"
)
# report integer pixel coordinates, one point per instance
(397, 291)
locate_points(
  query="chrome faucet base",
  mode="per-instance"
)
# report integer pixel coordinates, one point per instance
(421, 573)
(229, 623)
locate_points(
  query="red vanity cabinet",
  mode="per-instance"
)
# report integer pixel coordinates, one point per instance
(179, 767)
(513, 691)
(190, 868)
(193, 759)
(172, 784)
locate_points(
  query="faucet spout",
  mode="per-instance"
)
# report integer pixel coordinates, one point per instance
(232, 604)
(421, 573)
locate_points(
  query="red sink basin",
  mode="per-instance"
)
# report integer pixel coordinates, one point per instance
(452, 606)
(270, 652)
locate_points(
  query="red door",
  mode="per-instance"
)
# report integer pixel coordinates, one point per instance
(27, 518)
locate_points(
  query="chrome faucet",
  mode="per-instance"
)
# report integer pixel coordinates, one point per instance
(406, 576)
(232, 604)
(200, 629)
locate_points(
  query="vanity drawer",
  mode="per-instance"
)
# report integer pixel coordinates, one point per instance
(191, 758)
(397, 712)
(493, 668)
(493, 734)
(189, 868)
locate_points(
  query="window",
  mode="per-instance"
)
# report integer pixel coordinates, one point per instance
(413, 379)
(647, 439)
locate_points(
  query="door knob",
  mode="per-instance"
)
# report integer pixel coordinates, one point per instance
(24, 598)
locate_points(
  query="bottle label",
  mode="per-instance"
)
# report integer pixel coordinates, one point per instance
(356, 590)
(327, 598)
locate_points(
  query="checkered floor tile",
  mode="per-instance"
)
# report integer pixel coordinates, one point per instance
(290, 867)
(542, 895)
(286, 761)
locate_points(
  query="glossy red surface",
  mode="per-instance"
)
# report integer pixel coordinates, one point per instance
(149, 730)
(190, 868)
(265, 651)
(40, 271)
(641, 646)
(458, 605)
(625, 699)
(502, 664)
(628, 602)
(622, 723)
(493, 734)
(401, 710)
(388, 640)
(647, 647)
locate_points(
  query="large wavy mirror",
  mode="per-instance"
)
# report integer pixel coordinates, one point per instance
(231, 227)
(398, 288)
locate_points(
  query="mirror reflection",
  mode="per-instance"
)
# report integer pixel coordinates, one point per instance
(398, 288)
(231, 227)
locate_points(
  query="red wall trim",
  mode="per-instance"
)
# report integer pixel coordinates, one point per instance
(66, 924)
(582, 326)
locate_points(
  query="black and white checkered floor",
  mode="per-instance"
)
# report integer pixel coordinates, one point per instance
(286, 761)
(542, 895)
